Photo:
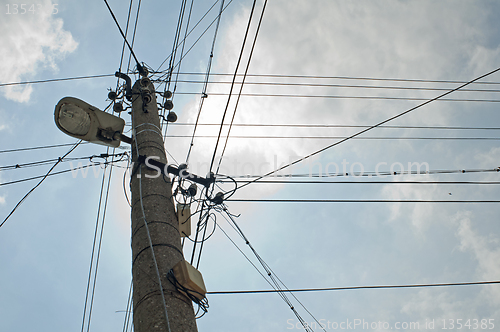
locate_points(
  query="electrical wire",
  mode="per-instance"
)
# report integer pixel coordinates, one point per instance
(374, 174)
(151, 246)
(175, 43)
(162, 293)
(128, 311)
(197, 40)
(277, 283)
(39, 183)
(41, 147)
(349, 78)
(242, 82)
(215, 150)
(358, 287)
(233, 82)
(376, 182)
(57, 80)
(124, 37)
(134, 33)
(175, 46)
(358, 201)
(268, 75)
(324, 85)
(343, 137)
(182, 49)
(294, 95)
(124, 44)
(89, 291)
(50, 161)
(57, 173)
(207, 77)
(337, 126)
(378, 124)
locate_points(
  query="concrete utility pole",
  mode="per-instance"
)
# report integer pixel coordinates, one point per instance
(158, 207)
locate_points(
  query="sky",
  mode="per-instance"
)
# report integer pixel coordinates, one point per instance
(334, 63)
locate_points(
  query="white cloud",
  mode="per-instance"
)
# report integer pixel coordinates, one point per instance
(486, 250)
(2, 200)
(30, 42)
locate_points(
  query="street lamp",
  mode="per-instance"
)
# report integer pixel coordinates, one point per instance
(78, 119)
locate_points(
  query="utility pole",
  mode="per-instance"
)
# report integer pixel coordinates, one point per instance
(152, 202)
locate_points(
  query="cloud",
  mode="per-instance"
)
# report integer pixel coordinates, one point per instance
(31, 42)
(486, 249)
(2, 200)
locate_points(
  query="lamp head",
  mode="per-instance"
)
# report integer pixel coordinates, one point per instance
(78, 119)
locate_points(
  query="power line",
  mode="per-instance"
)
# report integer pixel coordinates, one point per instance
(350, 78)
(207, 77)
(372, 182)
(372, 174)
(376, 125)
(242, 83)
(343, 137)
(49, 161)
(336, 126)
(233, 82)
(324, 85)
(358, 287)
(277, 283)
(55, 173)
(39, 183)
(357, 201)
(139, 67)
(134, 33)
(264, 75)
(57, 80)
(202, 34)
(345, 97)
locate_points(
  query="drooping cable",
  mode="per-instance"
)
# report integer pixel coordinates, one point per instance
(274, 280)
(57, 173)
(39, 183)
(162, 293)
(325, 289)
(152, 250)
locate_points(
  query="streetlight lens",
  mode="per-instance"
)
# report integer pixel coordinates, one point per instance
(74, 119)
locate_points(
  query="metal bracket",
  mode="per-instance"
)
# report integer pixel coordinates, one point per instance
(206, 182)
